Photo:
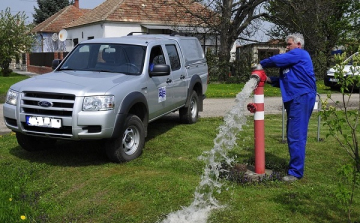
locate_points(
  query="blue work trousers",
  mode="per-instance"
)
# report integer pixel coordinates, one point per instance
(298, 111)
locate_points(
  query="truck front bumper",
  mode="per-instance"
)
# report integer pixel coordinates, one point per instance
(81, 125)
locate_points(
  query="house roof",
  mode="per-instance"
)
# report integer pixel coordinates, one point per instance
(143, 11)
(59, 20)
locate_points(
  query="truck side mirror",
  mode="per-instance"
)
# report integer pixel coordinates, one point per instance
(55, 63)
(160, 70)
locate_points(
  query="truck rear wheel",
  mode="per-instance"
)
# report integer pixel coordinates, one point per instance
(190, 114)
(130, 144)
(32, 143)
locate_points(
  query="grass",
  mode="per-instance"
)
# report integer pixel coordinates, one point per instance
(74, 182)
(230, 90)
(6, 82)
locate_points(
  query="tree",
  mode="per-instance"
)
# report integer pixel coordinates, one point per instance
(230, 20)
(48, 8)
(15, 38)
(351, 38)
(324, 24)
(343, 125)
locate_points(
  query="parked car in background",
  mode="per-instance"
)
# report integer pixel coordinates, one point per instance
(349, 70)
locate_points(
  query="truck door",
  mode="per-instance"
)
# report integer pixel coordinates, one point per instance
(158, 94)
(178, 89)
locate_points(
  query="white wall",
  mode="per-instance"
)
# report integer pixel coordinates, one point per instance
(117, 30)
(233, 52)
(82, 33)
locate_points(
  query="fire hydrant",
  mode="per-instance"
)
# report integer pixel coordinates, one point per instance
(258, 109)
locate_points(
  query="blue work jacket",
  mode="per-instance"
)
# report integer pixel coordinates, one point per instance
(297, 75)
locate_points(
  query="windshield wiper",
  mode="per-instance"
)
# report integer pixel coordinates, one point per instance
(66, 69)
(106, 71)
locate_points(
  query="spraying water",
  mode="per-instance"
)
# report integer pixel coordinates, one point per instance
(204, 202)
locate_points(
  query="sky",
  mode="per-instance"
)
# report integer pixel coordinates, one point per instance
(27, 6)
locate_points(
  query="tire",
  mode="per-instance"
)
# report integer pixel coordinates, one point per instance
(32, 143)
(190, 114)
(130, 144)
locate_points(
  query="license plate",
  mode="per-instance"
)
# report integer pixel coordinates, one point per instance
(333, 80)
(43, 121)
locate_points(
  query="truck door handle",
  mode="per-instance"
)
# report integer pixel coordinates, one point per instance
(182, 76)
(168, 81)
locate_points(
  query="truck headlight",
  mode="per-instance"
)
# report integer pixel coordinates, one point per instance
(11, 97)
(98, 103)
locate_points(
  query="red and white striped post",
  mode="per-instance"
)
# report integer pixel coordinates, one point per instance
(259, 131)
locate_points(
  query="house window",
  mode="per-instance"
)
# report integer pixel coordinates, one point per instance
(75, 41)
(266, 53)
(90, 37)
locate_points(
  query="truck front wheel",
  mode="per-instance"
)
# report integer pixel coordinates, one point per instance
(32, 143)
(190, 114)
(130, 144)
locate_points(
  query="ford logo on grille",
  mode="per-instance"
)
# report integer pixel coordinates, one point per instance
(45, 104)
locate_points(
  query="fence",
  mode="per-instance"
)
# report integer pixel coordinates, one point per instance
(40, 63)
(41, 59)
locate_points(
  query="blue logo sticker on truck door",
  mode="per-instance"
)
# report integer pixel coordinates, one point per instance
(162, 94)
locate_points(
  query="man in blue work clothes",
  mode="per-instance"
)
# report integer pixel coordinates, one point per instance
(298, 90)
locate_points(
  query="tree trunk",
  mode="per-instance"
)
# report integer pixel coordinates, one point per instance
(5, 68)
(224, 57)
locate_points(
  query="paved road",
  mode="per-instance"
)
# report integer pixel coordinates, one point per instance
(273, 105)
(219, 107)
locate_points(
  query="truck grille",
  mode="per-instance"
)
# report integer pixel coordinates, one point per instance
(45, 104)
(61, 104)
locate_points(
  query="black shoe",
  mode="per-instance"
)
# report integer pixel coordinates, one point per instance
(290, 178)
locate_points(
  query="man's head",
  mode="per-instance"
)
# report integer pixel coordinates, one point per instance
(295, 40)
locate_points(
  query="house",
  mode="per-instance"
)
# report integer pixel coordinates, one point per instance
(47, 31)
(255, 52)
(115, 18)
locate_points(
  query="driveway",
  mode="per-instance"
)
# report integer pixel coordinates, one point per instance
(273, 105)
(219, 107)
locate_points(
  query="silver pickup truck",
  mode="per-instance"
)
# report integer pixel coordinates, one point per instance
(110, 88)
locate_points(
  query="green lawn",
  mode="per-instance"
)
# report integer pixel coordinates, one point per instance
(6, 82)
(230, 90)
(74, 182)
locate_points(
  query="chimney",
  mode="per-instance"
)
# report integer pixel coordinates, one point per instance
(76, 4)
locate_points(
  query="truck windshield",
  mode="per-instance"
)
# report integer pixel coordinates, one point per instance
(117, 58)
